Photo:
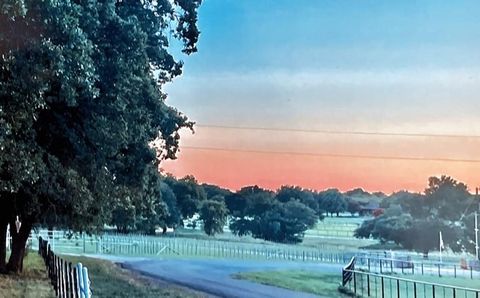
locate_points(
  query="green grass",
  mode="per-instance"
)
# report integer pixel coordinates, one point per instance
(31, 283)
(324, 284)
(466, 282)
(109, 280)
(336, 244)
(406, 286)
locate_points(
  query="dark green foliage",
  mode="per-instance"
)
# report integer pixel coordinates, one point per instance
(188, 193)
(296, 193)
(281, 217)
(215, 191)
(174, 216)
(353, 206)
(285, 223)
(414, 221)
(332, 201)
(80, 104)
(213, 213)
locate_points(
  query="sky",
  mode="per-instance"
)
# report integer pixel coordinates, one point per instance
(332, 94)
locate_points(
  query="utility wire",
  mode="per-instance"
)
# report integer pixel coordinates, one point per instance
(340, 132)
(333, 155)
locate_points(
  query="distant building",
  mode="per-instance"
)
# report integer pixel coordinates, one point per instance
(368, 209)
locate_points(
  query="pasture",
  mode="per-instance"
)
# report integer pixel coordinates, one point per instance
(187, 246)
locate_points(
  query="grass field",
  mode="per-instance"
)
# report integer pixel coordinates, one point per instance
(324, 284)
(406, 286)
(31, 283)
(109, 280)
(447, 280)
(324, 237)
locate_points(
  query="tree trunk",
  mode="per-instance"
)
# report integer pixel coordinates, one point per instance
(3, 245)
(19, 241)
(425, 254)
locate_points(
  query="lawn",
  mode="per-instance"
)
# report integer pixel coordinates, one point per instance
(466, 282)
(109, 280)
(31, 283)
(405, 286)
(324, 284)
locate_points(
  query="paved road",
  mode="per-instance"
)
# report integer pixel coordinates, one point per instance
(213, 276)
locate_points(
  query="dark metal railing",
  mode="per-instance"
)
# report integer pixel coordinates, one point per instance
(366, 284)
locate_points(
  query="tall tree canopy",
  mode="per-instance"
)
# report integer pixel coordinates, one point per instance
(80, 103)
(281, 217)
(332, 201)
(414, 220)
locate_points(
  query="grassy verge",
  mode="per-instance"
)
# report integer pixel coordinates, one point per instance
(31, 283)
(324, 284)
(109, 280)
(466, 282)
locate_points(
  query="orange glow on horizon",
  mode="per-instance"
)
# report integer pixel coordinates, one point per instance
(257, 165)
(233, 170)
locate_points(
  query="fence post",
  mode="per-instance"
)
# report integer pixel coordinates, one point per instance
(68, 281)
(75, 287)
(368, 285)
(80, 281)
(398, 287)
(354, 282)
(383, 287)
(86, 282)
(57, 281)
(60, 277)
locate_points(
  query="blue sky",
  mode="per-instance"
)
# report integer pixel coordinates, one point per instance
(257, 49)
(354, 65)
(249, 35)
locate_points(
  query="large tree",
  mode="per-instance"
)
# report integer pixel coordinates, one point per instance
(189, 194)
(213, 214)
(281, 217)
(414, 221)
(80, 103)
(332, 201)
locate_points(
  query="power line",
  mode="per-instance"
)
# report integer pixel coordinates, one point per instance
(341, 132)
(333, 155)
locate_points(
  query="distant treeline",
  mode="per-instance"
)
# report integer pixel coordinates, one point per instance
(282, 216)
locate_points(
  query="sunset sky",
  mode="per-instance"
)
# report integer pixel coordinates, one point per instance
(373, 94)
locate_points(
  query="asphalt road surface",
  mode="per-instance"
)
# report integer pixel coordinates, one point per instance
(213, 276)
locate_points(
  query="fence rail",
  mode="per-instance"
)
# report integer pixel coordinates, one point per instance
(141, 245)
(407, 266)
(366, 284)
(68, 280)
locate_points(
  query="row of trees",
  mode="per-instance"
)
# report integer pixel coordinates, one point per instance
(80, 103)
(414, 220)
(281, 216)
